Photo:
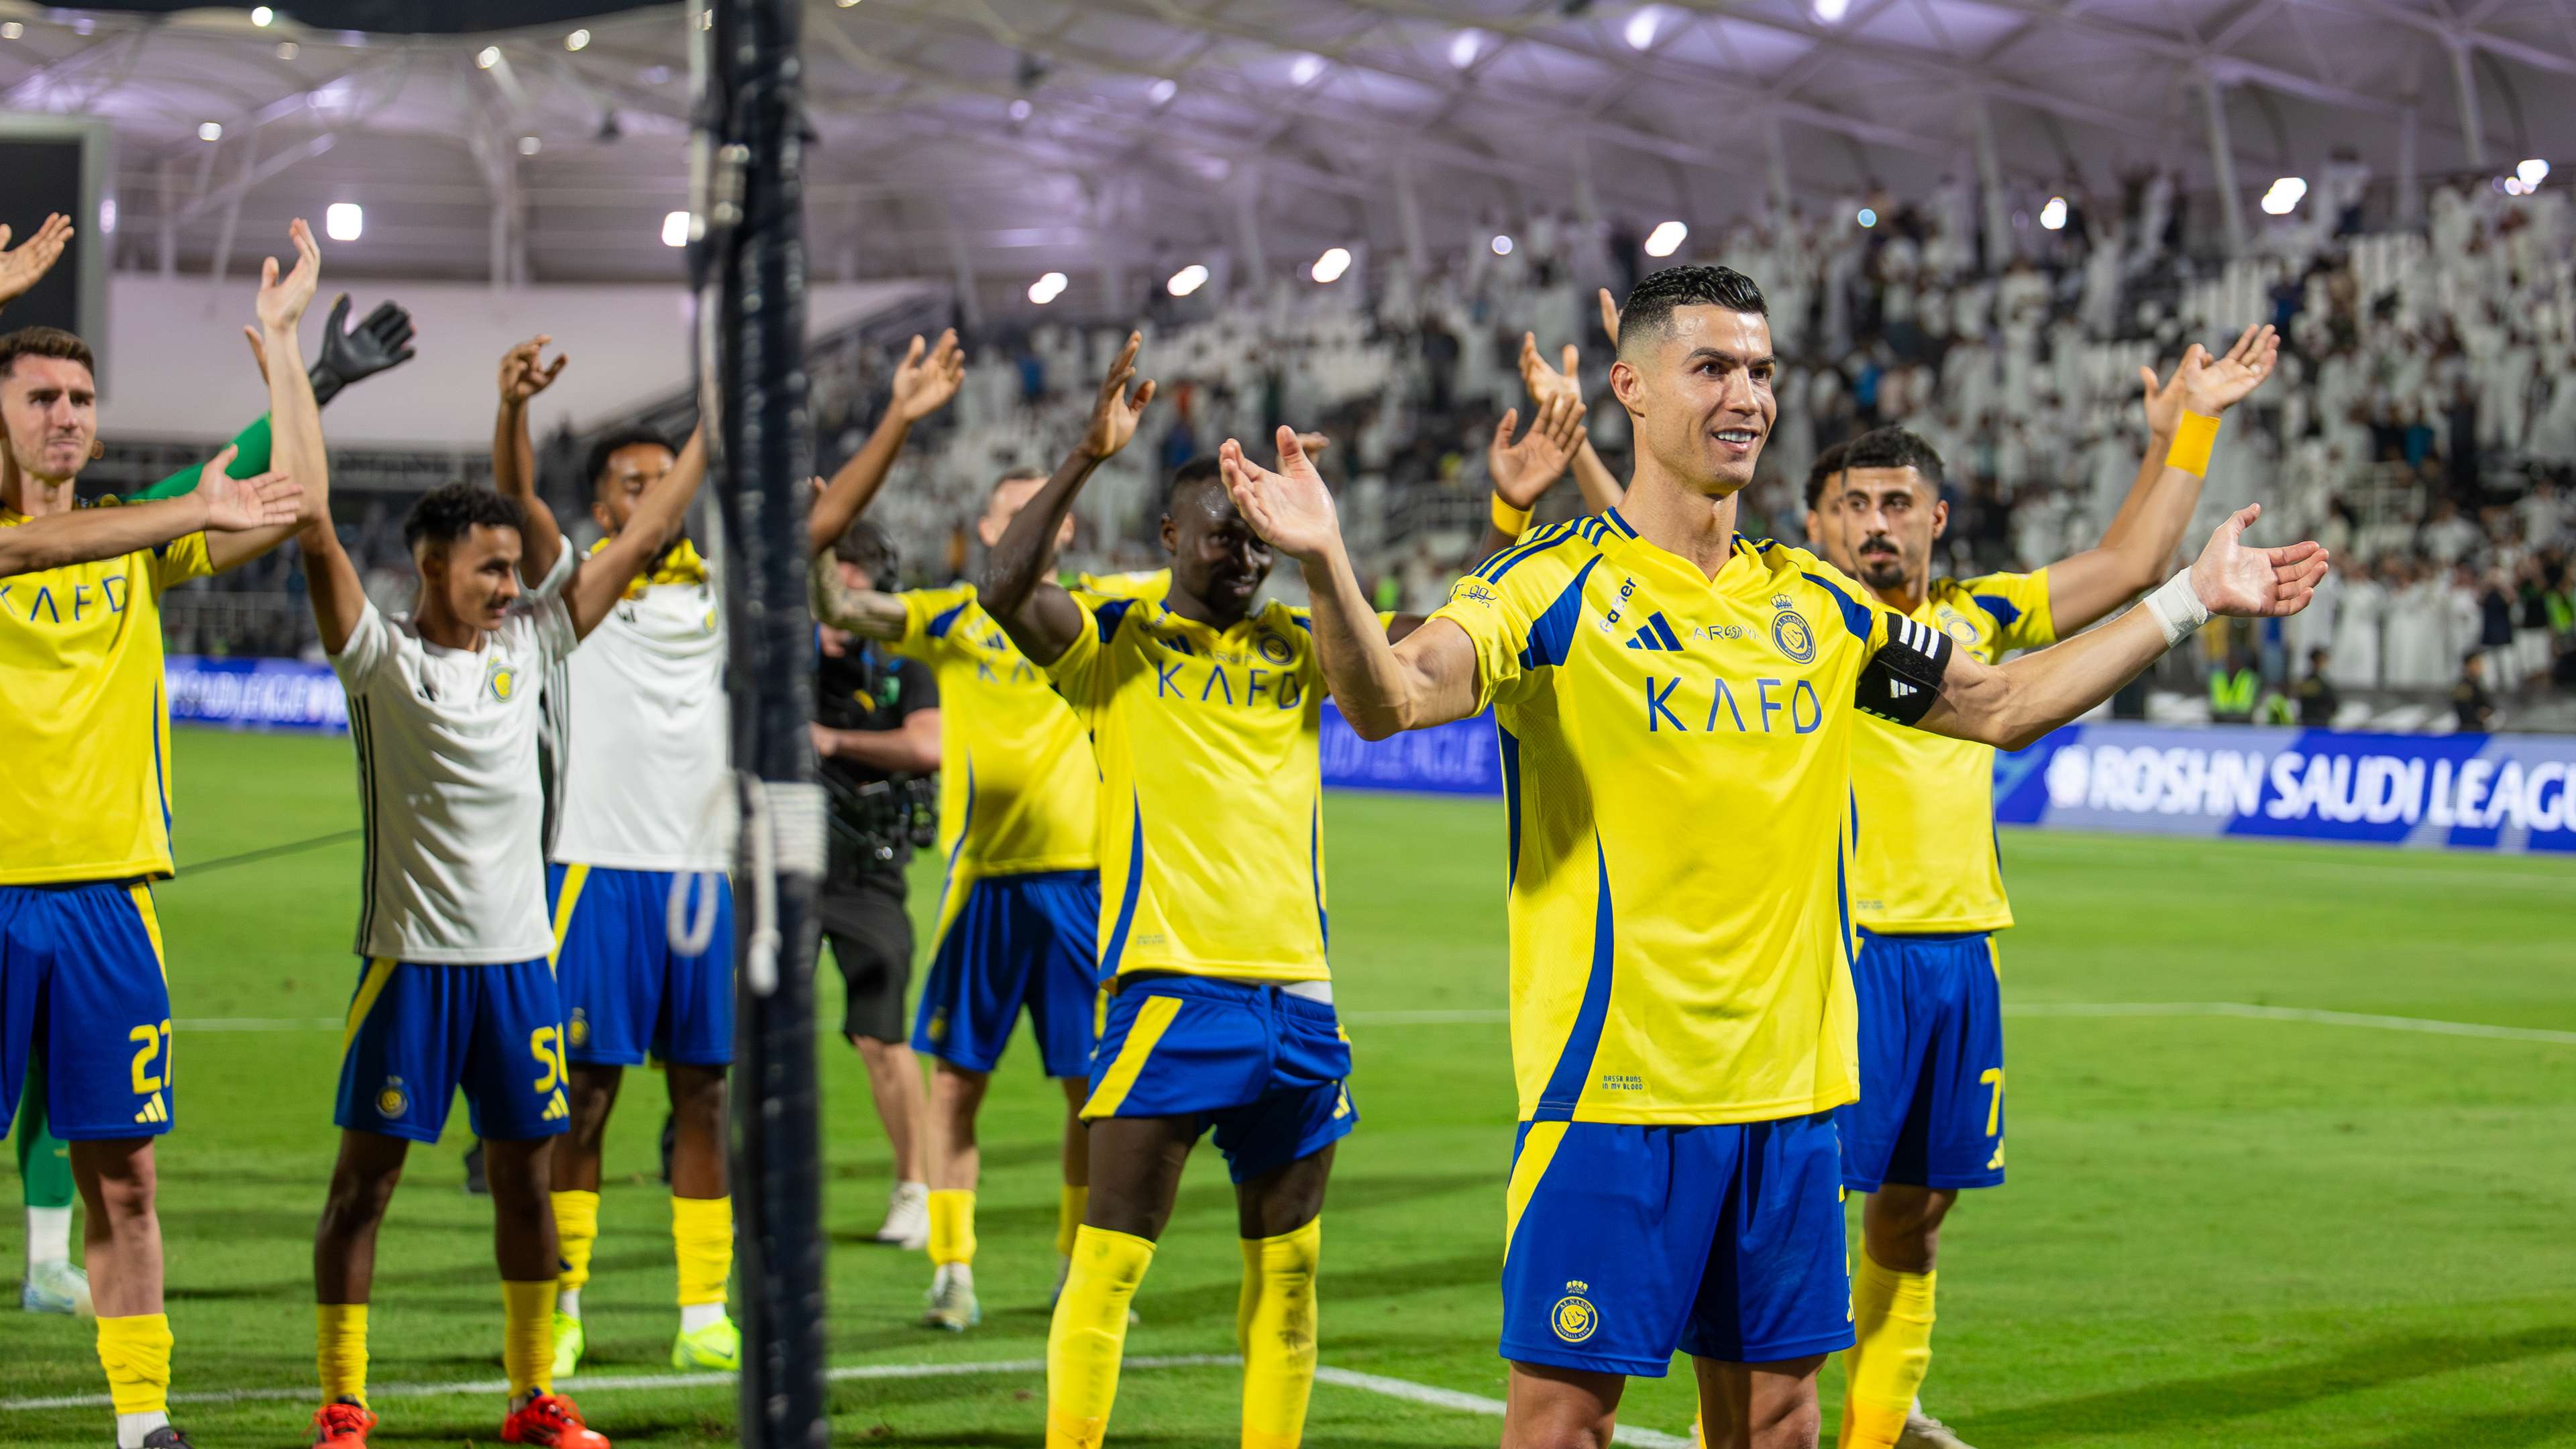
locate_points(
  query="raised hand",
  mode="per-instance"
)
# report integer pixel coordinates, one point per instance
(923, 385)
(1526, 469)
(1291, 507)
(2255, 583)
(1609, 316)
(1544, 381)
(282, 300)
(27, 265)
(524, 372)
(1114, 413)
(238, 505)
(378, 344)
(2213, 387)
(2164, 400)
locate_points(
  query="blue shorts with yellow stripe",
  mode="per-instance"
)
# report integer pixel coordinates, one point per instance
(626, 990)
(1629, 1243)
(1015, 941)
(1931, 1108)
(1266, 1069)
(417, 1033)
(83, 999)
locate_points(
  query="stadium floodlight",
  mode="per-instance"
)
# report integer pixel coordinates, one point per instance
(1303, 70)
(675, 229)
(2513, 187)
(1465, 46)
(530, 145)
(1187, 280)
(2052, 217)
(1667, 239)
(1049, 287)
(288, 50)
(578, 40)
(1867, 217)
(1162, 91)
(344, 221)
(2284, 196)
(1329, 267)
(1829, 12)
(261, 15)
(2531, 173)
(1502, 246)
(107, 215)
(488, 57)
(12, 30)
(1641, 27)
(1021, 110)
(847, 4)
(210, 130)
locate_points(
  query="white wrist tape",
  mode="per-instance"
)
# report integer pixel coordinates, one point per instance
(2177, 608)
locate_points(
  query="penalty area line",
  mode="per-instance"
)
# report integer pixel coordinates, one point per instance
(1378, 1384)
(2242, 1010)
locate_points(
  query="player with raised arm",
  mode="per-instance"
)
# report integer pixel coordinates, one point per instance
(1019, 913)
(84, 1002)
(456, 990)
(1204, 712)
(1682, 1015)
(636, 883)
(1523, 471)
(1927, 891)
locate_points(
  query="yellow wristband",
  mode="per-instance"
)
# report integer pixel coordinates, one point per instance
(2191, 444)
(1513, 521)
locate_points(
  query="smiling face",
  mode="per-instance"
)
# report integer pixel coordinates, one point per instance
(50, 406)
(1698, 388)
(1216, 557)
(474, 579)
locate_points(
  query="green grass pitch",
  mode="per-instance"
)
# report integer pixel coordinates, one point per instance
(2219, 1231)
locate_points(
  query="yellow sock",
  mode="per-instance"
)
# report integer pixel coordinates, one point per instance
(1274, 1324)
(135, 1351)
(528, 1335)
(1892, 1350)
(576, 1232)
(952, 1226)
(1089, 1333)
(340, 1350)
(702, 1235)
(1070, 1205)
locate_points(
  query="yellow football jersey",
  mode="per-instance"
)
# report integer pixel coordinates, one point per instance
(1211, 789)
(87, 791)
(1141, 584)
(1676, 757)
(1926, 857)
(1016, 781)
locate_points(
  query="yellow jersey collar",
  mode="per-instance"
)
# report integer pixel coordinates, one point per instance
(682, 565)
(1639, 555)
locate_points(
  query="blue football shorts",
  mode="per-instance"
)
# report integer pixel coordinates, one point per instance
(1931, 1108)
(1266, 1069)
(1015, 942)
(628, 992)
(83, 999)
(417, 1033)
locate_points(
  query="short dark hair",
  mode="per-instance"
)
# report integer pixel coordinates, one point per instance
(607, 447)
(1202, 469)
(1827, 464)
(1650, 303)
(450, 512)
(863, 545)
(44, 342)
(1894, 448)
(1020, 474)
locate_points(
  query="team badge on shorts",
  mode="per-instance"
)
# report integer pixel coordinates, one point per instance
(1574, 1318)
(390, 1100)
(578, 1029)
(1789, 631)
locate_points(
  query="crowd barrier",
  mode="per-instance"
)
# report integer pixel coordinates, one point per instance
(2462, 792)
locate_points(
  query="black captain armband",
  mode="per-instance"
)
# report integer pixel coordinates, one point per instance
(1903, 678)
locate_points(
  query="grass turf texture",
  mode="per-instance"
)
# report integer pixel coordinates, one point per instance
(2219, 1231)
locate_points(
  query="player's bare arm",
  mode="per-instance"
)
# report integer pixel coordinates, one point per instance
(2138, 546)
(294, 417)
(2014, 704)
(910, 749)
(868, 613)
(1381, 685)
(23, 266)
(603, 577)
(1523, 471)
(1016, 588)
(524, 374)
(220, 504)
(924, 381)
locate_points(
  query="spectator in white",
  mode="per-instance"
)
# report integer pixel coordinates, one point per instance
(2360, 610)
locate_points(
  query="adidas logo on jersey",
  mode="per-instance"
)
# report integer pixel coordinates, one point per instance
(1655, 634)
(154, 1110)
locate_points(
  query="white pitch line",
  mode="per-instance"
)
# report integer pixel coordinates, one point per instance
(2424, 1024)
(612, 1383)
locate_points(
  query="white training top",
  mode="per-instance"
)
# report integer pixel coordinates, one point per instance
(447, 780)
(641, 724)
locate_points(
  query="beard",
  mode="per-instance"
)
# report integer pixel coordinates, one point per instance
(1881, 570)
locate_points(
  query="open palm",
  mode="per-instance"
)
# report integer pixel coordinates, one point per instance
(2218, 384)
(1291, 507)
(924, 384)
(1525, 470)
(282, 300)
(2255, 583)
(1115, 411)
(237, 505)
(27, 265)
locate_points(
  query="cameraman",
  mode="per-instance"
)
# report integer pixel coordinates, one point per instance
(876, 735)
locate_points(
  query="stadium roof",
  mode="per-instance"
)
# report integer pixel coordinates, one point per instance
(1012, 137)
